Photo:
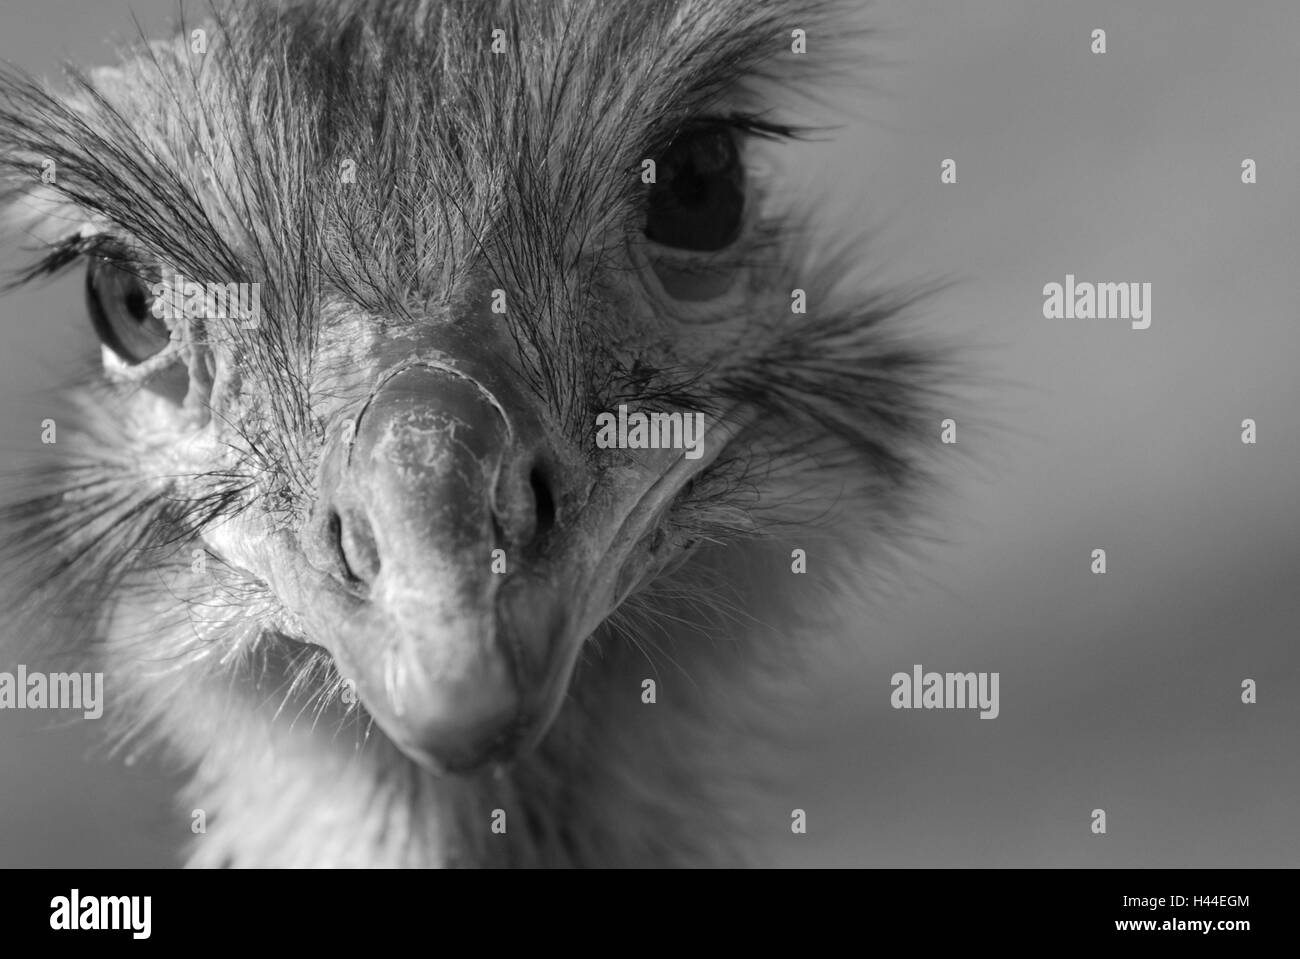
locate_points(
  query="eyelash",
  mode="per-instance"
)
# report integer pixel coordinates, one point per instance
(70, 252)
(745, 124)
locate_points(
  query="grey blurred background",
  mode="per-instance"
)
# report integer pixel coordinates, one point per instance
(1119, 691)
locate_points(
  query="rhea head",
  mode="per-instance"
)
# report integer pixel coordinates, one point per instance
(471, 229)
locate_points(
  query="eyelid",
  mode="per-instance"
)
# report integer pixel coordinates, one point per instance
(119, 370)
(682, 284)
(700, 312)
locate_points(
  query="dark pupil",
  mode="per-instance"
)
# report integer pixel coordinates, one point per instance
(121, 309)
(698, 197)
(137, 304)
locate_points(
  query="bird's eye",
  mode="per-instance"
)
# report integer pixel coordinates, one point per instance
(698, 199)
(121, 304)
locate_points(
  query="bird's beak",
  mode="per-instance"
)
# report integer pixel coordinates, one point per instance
(457, 564)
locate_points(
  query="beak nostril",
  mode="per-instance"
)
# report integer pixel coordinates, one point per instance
(354, 543)
(334, 537)
(543, 503)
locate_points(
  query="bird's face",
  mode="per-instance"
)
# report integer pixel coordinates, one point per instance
(463, 528)
(465, 280)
